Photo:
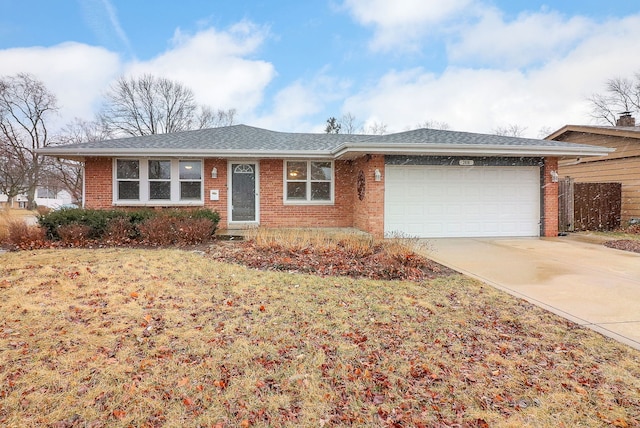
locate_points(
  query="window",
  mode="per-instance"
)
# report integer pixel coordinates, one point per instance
(190, 181)
(158, 182)
(128, 179)
(159, 179)
(46, 193)
(309, 181)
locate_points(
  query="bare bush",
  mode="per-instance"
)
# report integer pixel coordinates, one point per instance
(74, 234)
(23, 236)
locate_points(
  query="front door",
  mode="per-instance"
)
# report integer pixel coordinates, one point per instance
(243, 206)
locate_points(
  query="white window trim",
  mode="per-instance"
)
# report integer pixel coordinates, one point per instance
(308, 201)
(144, 185)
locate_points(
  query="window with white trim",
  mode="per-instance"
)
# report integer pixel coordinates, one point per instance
(128, 179)
(158, 182)
(308, 181)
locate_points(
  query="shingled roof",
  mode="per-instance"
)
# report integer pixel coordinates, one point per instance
(618, 131)
(248, 141)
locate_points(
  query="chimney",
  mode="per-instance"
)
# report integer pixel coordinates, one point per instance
(626, 119)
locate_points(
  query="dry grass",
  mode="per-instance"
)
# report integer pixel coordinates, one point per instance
(119, 337)
(329, 239)
(10, 215)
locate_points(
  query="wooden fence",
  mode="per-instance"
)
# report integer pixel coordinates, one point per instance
(588, 206)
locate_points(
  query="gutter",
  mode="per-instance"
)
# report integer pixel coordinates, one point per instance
(470, 150)
(174, 153)
(345, 150)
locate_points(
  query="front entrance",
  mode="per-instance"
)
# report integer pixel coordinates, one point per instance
(243, 182)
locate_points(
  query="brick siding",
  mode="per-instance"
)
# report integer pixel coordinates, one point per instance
(549, 199)
(348, 209)
(275, 213)
(368, 213)
(98, 186)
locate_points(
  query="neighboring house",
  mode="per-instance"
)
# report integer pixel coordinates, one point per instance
(52, 198)
(621, 166)
(20, 201)
(424, 183)
(44, 197)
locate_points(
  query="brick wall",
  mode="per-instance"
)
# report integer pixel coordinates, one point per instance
(98, 186)
(275, 213)
(348, 209)
(549, 199)
(368, 212)
(220, 184)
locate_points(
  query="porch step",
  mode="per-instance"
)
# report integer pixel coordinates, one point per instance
(230, 234)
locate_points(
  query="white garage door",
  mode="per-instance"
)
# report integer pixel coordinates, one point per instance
(455, 201)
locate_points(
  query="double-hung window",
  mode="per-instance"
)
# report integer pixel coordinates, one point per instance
(159, 179)
(128, 180)
(309, 182)
(190, 180)
(158, 182)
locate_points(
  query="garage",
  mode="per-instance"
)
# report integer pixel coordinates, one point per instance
(433, 201)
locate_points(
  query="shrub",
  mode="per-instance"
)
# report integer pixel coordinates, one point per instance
(196, 230)
(96, 220)
(118, 227)
(120, 230)
(23, 236)
(171, 230)
(74, 234)
(157, 231)
(42, 210)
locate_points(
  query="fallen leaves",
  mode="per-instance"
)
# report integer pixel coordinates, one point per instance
(208, 344)
(376, 263)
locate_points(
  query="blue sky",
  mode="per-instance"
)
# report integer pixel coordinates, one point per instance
(288, 65)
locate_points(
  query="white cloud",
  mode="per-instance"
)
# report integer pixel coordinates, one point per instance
(74, 72)
(401, 24)
(295, 107)
(214, 64)
(549, 95)
(529, 39)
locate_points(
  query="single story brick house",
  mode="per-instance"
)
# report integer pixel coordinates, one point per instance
(424, 182)
(621, 166)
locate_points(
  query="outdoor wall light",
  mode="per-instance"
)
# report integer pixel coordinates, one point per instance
(214, 172)
(554, 176)
(377, 175)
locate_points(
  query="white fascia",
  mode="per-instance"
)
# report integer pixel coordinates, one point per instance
(172, 153)
(356, 149)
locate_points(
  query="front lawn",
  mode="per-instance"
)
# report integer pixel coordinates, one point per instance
(140, 337)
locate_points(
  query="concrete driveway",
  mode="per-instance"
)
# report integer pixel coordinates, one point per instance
(585, 282)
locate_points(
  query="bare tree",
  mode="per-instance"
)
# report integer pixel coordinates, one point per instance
(14, 171)
(25, 105)
(349, 124)
(513, 130)
(155, 105)
(545, 131)
(208, 118)
(375, 128)
(433, 124)
(67, 173)
(621, 95)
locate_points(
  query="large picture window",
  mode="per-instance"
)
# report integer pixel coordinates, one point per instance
(158, 182)
(309, 181)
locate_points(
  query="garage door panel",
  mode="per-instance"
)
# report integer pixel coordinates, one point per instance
(441, 201)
